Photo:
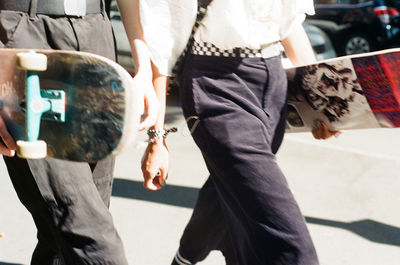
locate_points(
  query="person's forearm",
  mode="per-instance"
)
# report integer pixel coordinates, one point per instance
(298, 47)
(130, 15)
(155, 157)
(160, 83)
(141, 58)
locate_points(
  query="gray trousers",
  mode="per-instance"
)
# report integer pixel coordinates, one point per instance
(245, 209)
(68, 200)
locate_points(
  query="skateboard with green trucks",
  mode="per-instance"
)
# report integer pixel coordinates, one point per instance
(68, 105)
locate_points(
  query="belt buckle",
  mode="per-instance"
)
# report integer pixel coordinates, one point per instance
(270, 50)
(75, 8)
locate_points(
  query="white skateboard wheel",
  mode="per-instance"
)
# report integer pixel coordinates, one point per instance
(32, 149)
(32, 61)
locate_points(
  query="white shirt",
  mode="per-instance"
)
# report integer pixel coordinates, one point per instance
(228, 24)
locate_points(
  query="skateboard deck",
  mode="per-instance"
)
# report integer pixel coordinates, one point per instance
(351, 92)
(92, 109)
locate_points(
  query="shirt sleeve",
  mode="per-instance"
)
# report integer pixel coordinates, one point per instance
(294, 12)
(167, 25)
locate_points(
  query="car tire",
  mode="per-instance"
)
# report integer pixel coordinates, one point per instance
(357, 43)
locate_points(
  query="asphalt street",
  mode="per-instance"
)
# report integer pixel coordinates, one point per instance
(348, 189)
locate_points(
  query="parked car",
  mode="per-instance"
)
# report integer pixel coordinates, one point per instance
(319, 40)
(357, 26)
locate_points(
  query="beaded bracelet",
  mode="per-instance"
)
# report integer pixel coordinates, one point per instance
(155, 135)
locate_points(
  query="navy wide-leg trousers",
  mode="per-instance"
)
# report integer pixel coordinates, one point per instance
(236, 110)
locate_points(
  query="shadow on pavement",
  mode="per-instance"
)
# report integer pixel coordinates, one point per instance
(186, 197)
(368, 229)
(170, 194)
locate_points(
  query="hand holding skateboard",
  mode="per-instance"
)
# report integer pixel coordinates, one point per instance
(150, 108)
(7, 145)
(320, 131)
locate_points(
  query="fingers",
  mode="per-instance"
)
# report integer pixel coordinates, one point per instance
(321, 131)
(150, 183)
(6, 151)
(163, 175)
(336, 133)
(7, 146)
(151, 110)
(149, 118)
(154, 181)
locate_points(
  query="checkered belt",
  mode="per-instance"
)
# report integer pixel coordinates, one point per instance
(209, 49)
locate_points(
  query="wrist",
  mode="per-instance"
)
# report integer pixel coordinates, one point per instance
(155, 135)
(159, 135)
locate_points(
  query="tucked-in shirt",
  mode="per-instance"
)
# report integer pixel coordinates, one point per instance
(228, 24)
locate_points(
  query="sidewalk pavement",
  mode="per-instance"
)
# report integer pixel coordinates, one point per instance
(348, 189)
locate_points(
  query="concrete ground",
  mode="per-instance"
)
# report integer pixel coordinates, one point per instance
(348, 189)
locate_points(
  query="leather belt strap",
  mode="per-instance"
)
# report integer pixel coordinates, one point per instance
(54, 7)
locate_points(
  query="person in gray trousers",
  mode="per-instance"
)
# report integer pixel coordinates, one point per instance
(67, 200)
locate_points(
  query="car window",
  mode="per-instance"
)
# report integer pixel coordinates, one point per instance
(394, 3)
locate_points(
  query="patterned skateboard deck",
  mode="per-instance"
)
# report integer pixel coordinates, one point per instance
(102, 107)
(352, 92)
